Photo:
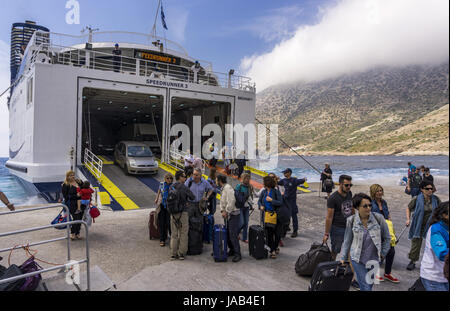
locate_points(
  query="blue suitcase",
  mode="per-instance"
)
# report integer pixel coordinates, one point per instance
(220, 247)
(208, 227)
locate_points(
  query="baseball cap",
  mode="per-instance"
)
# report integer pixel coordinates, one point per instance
(288, 170)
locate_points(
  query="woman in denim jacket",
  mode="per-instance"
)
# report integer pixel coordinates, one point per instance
(367, 239)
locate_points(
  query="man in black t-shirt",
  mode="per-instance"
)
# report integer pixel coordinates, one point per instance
(339, 208)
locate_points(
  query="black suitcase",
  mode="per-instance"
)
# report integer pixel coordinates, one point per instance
(256, 243)
(195, 240)
(331, 276)
(10, 272)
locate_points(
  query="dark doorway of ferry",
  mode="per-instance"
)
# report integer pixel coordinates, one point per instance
(110, 117)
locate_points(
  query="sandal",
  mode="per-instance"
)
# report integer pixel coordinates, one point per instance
(273, 256)
(72, 237)
(162, 244)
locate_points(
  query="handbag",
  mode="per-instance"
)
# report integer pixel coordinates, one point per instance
(32, 282)
(61, 219)
(270, 219)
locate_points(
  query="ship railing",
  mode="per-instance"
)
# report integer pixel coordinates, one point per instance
(93, 163)
(70, 263)
(82, 57)
(177, 159)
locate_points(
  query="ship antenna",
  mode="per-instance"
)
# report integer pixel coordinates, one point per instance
(91, 31)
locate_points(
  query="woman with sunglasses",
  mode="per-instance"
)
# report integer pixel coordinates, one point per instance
(368, 240)
(422, 208)
(163, 214)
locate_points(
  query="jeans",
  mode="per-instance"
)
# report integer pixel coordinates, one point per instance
(212, 204)
(293, 208)
(245, 215)
(389, 261)
(432, 286)
(273, 236)
(337, 238)
(361, 271)
(233, 233)
(164, 224)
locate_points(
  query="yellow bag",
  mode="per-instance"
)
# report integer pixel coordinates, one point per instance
(270, 218)
(392, 232)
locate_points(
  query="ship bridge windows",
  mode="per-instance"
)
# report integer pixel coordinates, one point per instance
(113, 116)
(187, 111)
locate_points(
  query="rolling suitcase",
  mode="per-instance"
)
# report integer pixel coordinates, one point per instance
(331, 276)
(208, 227)
(256, 243)
(220, 246)
(195, 239)
(152, 229)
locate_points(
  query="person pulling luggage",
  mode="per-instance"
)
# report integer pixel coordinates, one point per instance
(231, 215)
(367, 239)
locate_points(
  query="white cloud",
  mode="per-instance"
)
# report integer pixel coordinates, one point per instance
(4, 84)
(356, 35)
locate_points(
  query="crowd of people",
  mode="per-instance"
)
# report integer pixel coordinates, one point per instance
(359, 226)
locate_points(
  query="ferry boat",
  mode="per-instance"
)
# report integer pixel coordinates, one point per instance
(72, 99)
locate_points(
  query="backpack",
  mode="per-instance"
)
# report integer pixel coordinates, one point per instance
(241, 197)
(415, 181)
(173, 201)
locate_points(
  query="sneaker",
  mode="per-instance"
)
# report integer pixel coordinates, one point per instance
(355, 285)
(391, 278)
(294, 234)
(237, 258)
(181, 257)
(379, 278)
(411, 266)
(173, 258)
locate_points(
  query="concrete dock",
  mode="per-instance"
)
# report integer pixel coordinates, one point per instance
(119, 245)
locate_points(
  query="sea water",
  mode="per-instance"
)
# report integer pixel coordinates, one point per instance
(389, 169)
(11, 186)
(381, 169)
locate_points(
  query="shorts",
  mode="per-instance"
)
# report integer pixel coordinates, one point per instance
(337, 235)
(86, 202)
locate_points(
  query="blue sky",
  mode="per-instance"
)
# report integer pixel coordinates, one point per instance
(222, 32)
(270, 41)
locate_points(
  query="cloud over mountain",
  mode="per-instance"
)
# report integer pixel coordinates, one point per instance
(354, 36)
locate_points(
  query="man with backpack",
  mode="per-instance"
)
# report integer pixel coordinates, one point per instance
(231, 215)
(290, 185)
(414, 181)
(179, 219)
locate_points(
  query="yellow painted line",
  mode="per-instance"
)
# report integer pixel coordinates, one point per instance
(168, 168)
(106, 162)
(115, 192)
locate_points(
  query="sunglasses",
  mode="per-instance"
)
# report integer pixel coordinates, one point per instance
(428, 189)
(367, 206)
(348, 185)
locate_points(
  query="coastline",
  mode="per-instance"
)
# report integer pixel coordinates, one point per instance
(349, 154)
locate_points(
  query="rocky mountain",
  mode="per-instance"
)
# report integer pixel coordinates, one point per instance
(381, 111)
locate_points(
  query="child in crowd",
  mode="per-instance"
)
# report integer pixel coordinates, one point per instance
(85, 193)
